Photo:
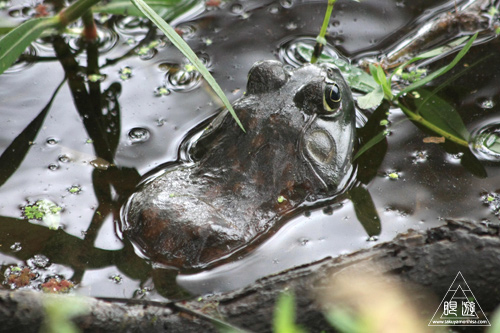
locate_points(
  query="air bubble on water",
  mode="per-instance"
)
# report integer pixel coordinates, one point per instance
(273, 9)
(64, 158)
(38, 261)
(291, 26)
(286, 3)
(52, 141)
(236, 8)
(419, 156)
(485, 142)
(138, 135)
(485, 103)
(16, 247)
(117, 278)
(53, 166)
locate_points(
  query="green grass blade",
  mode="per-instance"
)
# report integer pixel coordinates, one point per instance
(440, 71)
(372, 142)
(13, 44)
(186, 50)
(167, 9)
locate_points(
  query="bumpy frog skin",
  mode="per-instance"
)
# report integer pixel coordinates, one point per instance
(298, 146)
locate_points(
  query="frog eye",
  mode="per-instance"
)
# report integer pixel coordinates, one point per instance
(331, 97)
(266, 76)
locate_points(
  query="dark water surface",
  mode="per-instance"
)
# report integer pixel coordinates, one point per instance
(142, 128)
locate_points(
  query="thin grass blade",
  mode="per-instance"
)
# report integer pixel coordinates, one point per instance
(186, 50)
(440, 71)
(13, 44)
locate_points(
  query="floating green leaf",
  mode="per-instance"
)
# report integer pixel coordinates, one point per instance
(186, 50)
(372, 99)
(441, 114)
(13, 44)
(166, 9)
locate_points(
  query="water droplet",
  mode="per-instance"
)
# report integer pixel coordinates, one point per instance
(64, 158)
(486, 103)
(273, 9)
(372, 239)
(328, 210)
(161, 91)
(53, 166)
(38, 261)
(138, 135)
(117, 278)
(286, 3)
(16, 247)
(236, 8)
(75, 189)
(420, 156)
(52, 141)
(303, 241)
(291, 26)
(125, 73)
(485, 142)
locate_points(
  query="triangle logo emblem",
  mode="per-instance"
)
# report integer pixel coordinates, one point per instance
(459, 307)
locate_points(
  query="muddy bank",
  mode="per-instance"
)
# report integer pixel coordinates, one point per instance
(427, 261)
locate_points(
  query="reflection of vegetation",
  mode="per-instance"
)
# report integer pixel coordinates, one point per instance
(15, 42)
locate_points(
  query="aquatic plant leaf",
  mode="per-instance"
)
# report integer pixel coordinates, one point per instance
(166, 9)
(182, 46)
(372, 142)
(440, 71)
(355, 77)
(284, 315)
(441, 114)
(365, 210)
(13, 44)
(371, 100)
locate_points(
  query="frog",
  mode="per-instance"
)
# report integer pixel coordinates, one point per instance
(241, 185)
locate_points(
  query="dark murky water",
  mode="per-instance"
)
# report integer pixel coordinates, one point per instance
(150, 102)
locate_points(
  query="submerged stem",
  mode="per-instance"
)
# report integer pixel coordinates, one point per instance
(321, 40)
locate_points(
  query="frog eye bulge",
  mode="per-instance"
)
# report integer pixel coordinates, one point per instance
(331, 97)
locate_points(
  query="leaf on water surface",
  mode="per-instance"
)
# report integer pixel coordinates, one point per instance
(182, 46)
(365, 210)
(13, 44)
(441, 114)
(166, 9)
(372, 99)
(440, 71)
